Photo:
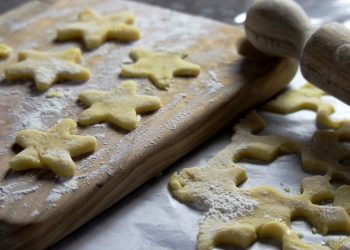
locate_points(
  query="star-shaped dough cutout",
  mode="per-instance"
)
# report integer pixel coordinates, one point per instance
(119, 106)
(47, 68)
(307, 97)
(53, 149)
(4, 51)
(95, 29)
(159, 67)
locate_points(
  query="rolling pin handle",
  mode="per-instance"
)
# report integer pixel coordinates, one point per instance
(325, 60)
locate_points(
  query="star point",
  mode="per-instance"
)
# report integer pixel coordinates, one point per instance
(159, 67)
(53, 149)
(119, 106)
(5, 51)
(47, 68)
(94, 29)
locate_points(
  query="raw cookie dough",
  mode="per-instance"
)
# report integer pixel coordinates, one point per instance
(159, 67)
(4, 51)
(240, 216)
(95, 29)
(119, 106)
(324, 153)
(47, 68)
(306, 97)
(53, 149)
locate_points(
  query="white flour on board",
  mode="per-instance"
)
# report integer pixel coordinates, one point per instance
(35, 213)
(34, 110)
(65, 185)
(14, 191)
(214, 83)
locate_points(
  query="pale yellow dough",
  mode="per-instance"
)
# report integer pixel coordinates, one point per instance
(5, 51)
(119, 106)
(159, 67)
(95, 29)
(47, 68)
(53, 149)
(306, 97)
(268, 212)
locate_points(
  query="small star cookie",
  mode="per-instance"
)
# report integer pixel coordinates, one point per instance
(95, 29)
(46, 68)
(307, 97)
(119, 106)
(159, 67)
(53, 149)
(4, 50)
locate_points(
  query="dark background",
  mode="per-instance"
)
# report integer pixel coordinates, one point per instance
(226, 10)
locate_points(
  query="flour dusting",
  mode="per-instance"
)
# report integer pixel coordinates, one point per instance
(14, 191)
(35, 213)
(34, 110)
(65, 185)
(62, 187)
(214, 83)
(223, 205)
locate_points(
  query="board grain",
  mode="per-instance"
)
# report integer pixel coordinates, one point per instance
(37, 208)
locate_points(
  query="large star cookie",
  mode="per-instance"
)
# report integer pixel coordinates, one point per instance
(159, 67)
(4, 51)
(95, 29)
(46, 68)
(53, 149)
(119, 106)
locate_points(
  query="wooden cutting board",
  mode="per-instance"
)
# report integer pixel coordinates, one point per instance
(37, 208)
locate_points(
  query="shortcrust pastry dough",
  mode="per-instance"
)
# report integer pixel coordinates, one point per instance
(159, 67)
(53, 149)
(95, 29)
(5, 51)
(119, 106)
(47, 68)
(323, 154)
(305, 97)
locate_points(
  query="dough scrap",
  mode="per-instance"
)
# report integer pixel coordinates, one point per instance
(324, 153)
(119, 106)
(159, 67)
(47, 68)
(264, 211)
(95, 29)
(307, 97)
(53, 149)
(342, 197)
(5, 51)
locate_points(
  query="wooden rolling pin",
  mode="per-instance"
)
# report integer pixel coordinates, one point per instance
(281, 28)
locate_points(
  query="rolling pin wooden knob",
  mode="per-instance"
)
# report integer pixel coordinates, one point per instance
(281, 28)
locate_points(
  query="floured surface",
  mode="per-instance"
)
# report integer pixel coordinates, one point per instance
(122, 160)
(28, 108)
